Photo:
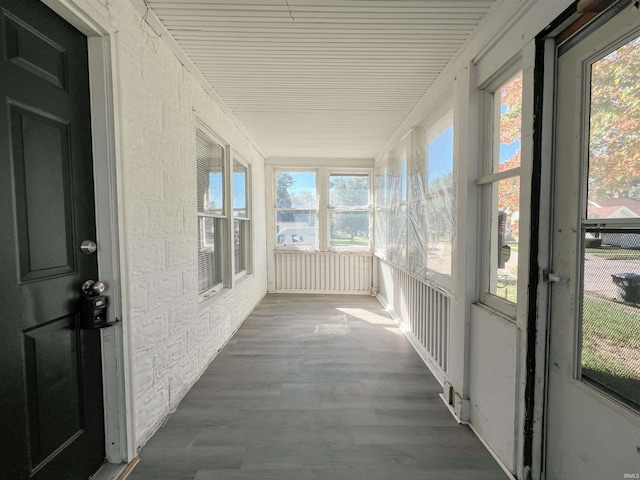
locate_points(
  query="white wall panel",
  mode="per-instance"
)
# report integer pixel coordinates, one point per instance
(493, 381)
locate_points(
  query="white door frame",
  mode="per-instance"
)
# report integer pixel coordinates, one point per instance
(545, 252)
(545, 142)
(92, 19)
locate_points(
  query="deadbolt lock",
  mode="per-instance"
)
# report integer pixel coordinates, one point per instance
(88, 247)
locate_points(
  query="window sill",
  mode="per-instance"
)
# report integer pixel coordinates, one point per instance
(335, 251)
(363, 251)
(507, 311)
(215, 297)
(242, 278)
(295, 250)
(211, 296)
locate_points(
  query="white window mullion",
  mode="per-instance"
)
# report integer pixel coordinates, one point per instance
(228, 224)
(241, 221)
(323, 217)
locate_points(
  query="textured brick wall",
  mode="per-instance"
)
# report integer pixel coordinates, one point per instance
(173, 336)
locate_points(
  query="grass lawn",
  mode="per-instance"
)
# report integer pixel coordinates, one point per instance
(614, 253)
(611, 346)
(344, 240)
(507, 289)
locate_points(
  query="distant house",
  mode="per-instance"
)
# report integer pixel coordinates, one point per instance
(621, 207)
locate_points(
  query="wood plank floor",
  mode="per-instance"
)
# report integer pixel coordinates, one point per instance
(315, 387)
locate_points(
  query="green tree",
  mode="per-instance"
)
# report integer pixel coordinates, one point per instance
(510, 132)
(614, 136)
(350, 223)
(349, 191)
(284, 182)
(304, 198)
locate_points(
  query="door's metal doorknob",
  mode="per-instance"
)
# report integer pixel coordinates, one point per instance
(91, 288)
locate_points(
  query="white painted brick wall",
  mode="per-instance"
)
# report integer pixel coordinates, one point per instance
(147, 258)
(173, 336)
(177, 385)
(149, 331)
(165, 219)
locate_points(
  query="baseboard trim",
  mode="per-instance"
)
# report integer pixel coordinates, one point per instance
(493, 454)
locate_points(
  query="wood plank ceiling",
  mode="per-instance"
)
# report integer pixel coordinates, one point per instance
(321, 78)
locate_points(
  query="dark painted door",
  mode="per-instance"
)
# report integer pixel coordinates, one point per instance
(51, 412)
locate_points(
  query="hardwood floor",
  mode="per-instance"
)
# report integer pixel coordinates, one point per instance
(315, 387)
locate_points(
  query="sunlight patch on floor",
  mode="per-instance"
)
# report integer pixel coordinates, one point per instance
(332, 329)
(367, 316)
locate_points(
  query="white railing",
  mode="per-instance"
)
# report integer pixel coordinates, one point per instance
(422, 311)
(323, 272)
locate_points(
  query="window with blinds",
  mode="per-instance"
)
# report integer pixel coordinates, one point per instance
(211, 213)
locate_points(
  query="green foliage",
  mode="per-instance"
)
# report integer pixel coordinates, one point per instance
(613, 322)
(507, 289)
(592, 242)
(349, 191)
(614, 137)
(351, 223)
(347, 241)
(614, 253)
(304, 198)
(284, 182)
(611, 346)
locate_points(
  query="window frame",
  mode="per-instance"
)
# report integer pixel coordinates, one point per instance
(431, 131)
(276, 209)
(408, 162)
(331, 208)
(248, 253)
(488, 181)
(322, 208)
(204, 135)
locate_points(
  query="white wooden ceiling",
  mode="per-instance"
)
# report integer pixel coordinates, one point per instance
(330, 78)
